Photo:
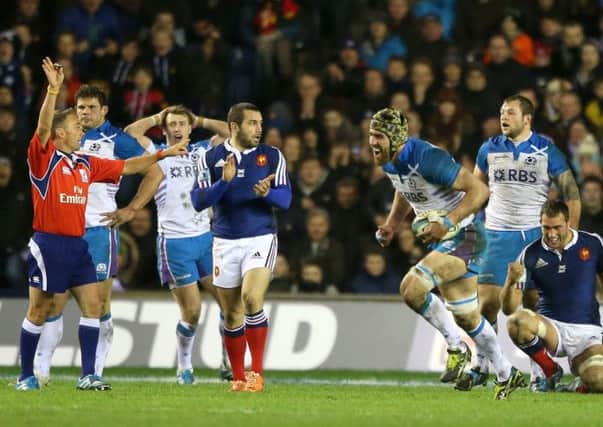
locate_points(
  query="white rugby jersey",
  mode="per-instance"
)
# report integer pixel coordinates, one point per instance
(519, 177)
(176, 216)
(424, 174)
(107, 142)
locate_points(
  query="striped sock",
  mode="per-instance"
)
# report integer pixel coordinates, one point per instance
(235, 343)
(256, 330)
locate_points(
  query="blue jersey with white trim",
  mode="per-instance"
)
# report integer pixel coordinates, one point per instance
(107, 142)
(239, 212)
(566, 281)
(519, 177)
(424, 174)
(176, 217)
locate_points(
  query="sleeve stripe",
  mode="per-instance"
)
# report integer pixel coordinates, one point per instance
(281, 170)
(594, 235)
(204, 178)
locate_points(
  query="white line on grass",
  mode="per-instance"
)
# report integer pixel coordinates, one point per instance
(366, 382)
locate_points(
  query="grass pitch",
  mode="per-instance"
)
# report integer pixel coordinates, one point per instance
(150, 397)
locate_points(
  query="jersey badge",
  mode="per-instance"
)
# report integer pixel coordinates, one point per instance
(261, 160)
(84, 175)
(584, 254)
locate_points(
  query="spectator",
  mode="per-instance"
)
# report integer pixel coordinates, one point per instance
(431, 43)
(589, 69)
(591, 192)
(380, 46)
(316, 245)
(168, 63)
(566, 60)
(375, 276)
(312, 278)
(15, 223)
(142, 100)
(142, 231)
(313, 187)
(282, 278)
(523, 44)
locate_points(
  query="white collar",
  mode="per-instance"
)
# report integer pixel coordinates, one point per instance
(566, 247)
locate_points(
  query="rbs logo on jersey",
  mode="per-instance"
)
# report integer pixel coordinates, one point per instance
(515, 175)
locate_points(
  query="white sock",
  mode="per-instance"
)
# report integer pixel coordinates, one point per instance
(483, 363)
(435, 312)
(487, 344)
(185, 337)
(535, 371)
(49, 341)
(105, 338)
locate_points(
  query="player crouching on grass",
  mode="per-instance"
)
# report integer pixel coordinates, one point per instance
(561, 269)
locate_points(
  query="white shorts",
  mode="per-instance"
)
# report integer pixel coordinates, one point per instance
(234, 257)
(574, 338)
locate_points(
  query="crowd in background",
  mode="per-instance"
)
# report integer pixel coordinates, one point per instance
(318, 70)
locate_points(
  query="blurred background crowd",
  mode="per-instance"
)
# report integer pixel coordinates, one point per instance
(318, 69)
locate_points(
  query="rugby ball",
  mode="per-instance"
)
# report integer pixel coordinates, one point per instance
(435, 215)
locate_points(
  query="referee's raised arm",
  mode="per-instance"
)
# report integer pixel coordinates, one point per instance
(55, 76)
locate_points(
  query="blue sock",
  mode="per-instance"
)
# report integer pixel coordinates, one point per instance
(88, 334)
(30, 335)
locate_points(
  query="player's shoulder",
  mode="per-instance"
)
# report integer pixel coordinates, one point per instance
(592, 240)
(531, 253)
(215, 154)
(540, 141)
(495, 143)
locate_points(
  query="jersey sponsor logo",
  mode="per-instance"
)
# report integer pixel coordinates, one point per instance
(182, 172)
(94, 147)
(256, 254)
(35, 279)
(84, 175)
(216, 271)
(219, 163)
(101, 267)
(515, 175)
(240, 173)
(562, 268)
(530, 160)
(415, 197)
(584, 254)
(261, 160)
(77, 198)
(66, 170)
(540, 263)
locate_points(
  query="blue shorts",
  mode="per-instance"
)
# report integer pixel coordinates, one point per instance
(469, 245)
(184, 260)
(103, 244)
(502, 248)
(56, 263)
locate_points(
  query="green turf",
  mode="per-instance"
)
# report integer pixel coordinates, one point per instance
(407, 400)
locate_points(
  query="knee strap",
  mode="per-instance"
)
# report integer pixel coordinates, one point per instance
(463, 306)
(426, 276)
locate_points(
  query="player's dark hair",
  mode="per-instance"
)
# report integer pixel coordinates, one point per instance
(60, 117)
(525, 105)
(552, 208)
(181, 110)
(237, 112)
(89, 91)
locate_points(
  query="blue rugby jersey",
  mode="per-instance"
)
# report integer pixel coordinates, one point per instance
(519, 177)
(566, 281)
(424, 174)
(238, 212)
(107, 142)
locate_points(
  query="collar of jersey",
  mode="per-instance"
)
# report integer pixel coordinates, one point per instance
(518, 144)
(232, 149)
(566, 247)
(72, 159)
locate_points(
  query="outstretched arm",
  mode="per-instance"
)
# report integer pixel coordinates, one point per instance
(140, 164)
(55, 77)
(571, 196)
(147, 189)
